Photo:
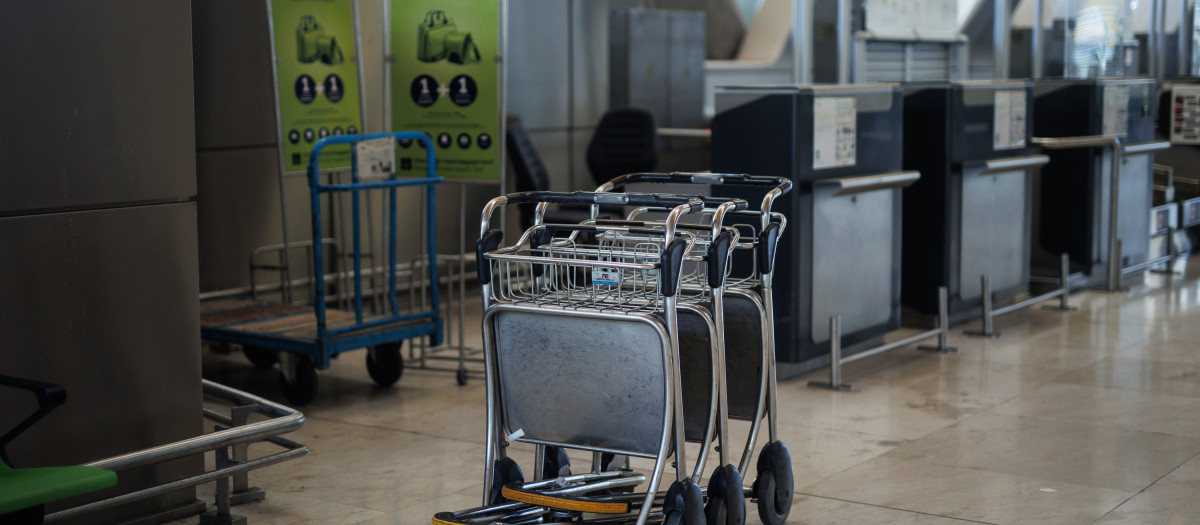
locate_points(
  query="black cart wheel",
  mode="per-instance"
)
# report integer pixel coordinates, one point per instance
(773, 488)
(302, 389)
(461, 376)
(385, 364)
(261, 357)
(504, 472)
(684, 504)
(556, 463)
(726, 503)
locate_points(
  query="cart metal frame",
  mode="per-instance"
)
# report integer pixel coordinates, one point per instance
(319, 333)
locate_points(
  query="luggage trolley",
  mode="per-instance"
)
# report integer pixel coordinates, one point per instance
(747, 319)
(581, 338)
(304, 338)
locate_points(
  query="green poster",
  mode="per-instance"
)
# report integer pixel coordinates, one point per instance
(445, 82)
(317, 75)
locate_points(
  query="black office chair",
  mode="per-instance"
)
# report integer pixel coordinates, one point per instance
(625, 141)
(532, 175)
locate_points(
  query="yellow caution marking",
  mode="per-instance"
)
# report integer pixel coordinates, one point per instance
(560, 503)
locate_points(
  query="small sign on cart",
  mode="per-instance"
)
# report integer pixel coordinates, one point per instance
(376, 158)
(606, 276)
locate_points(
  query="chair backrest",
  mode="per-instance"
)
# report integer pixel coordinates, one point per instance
(527, 165)
(625, 141)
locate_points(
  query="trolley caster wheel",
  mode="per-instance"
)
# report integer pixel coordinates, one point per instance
(505, 471)
(385, 364)
(556, 464)
(260, 357)
(684, 504)
(461, 376)
(301, 388)
(773, 488)
(726, 504)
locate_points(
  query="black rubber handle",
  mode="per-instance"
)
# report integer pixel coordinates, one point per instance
(768, 242)
(662, 200)
(727, 179)
(718, 258)
(488, 242)
(671, 264)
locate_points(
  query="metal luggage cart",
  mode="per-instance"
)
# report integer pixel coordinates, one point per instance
(747, 320)
(581, 338)
(304, 338)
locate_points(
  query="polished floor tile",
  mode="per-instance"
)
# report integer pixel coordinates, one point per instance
(967, 494)
(1069, 417)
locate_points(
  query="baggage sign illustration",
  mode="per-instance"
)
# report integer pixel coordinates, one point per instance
(445, 81)
(317, 78)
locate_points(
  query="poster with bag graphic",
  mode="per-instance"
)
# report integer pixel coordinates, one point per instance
(445, 81)
(316, 71)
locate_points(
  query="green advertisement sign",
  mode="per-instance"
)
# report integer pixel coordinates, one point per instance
(317, 78)
(446, 83)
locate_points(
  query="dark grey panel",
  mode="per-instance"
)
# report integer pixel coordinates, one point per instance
(600, 381)
(104, 303)
(97, 107)
(234, 103)
(239, 211)
(993, 232)
(852, 263)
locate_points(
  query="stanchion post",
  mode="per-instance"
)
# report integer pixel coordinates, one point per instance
(986, 289)
(943, 325)
(1064, 300)
(835, 359)
(1114, 267)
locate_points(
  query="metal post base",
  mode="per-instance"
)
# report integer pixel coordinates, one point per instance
(213, 517)
(249, 495)
(936, 348)
(839, 387)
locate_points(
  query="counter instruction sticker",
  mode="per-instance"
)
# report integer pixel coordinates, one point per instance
(835, 131)
(606, 276)
(376, 158)
(1185, 114)
(1009, 120)
(1116, 110)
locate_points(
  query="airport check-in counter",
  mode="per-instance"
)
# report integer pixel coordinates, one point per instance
(841, 251)
(970, 214)
(1074, 212)
(1179, 120)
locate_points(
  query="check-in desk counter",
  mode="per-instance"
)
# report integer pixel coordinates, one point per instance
(841, 251)
(1084, 127)
(970, 214)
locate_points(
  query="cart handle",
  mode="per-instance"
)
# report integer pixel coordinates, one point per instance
(680, 204)
(678, 177)
(778, 185)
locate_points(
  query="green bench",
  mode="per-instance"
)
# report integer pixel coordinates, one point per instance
(25, 492)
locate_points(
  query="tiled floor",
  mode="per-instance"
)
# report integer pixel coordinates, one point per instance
(1081, 417)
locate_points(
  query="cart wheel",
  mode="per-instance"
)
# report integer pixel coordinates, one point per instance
(726, 504)
(461, 376)
(684, 504)
(556, 463)
(773, 488)
(261, 357)
(303, 390)
(504, 472)
(385, 364)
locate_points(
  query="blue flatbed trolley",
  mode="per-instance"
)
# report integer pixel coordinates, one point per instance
(304, 338)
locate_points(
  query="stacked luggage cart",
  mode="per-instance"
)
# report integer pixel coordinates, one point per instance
(629, 338)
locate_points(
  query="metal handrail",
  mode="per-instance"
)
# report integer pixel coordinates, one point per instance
(1119, 153)
(283, 420)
